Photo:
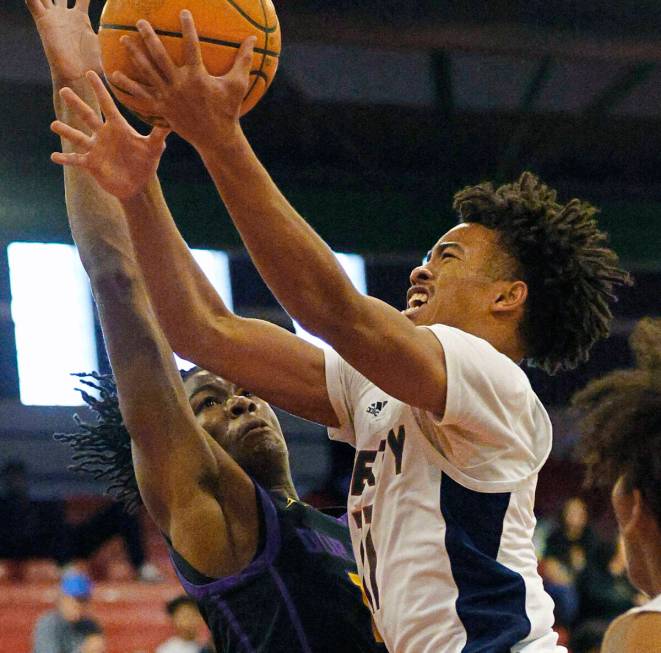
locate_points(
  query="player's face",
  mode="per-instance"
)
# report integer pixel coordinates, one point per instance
(453, 286)
(243, 424)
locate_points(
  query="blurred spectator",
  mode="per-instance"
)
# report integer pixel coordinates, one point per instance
(39, 529)
(567, 549)
(64, 629)
(187, 622)
(587, 637)
(94, 642)
(573, 541)
(603, 587)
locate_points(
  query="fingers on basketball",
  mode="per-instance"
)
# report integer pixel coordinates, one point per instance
(139, 56)
(192, 53)
(155, 50)
(123, 82)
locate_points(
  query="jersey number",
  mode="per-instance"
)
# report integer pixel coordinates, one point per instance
(368, 555)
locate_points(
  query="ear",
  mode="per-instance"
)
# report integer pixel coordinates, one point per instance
(637, 513)
(511, 296)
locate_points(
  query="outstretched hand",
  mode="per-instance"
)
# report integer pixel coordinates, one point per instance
(121, 160)
(70, 43)
(194, 103)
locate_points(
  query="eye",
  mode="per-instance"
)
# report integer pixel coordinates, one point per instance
(207, 402)
(246, 393)
(426, 258)
(447, 255)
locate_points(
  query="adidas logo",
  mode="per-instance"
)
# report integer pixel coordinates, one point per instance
(375, 408)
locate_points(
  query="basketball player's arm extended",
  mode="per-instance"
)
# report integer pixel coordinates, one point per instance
(405, 361)
(183, 475)
(173, 459)
(201, 328)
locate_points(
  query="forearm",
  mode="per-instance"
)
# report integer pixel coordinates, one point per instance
(294, 261)
(180, 292)
(95, 217)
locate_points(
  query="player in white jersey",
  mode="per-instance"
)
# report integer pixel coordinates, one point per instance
(622, 448)
(449, 434)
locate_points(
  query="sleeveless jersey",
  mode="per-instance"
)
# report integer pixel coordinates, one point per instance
(300, 594)
(441, 509)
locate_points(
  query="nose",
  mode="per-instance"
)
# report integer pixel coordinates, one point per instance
(421, 273)
(238, 406)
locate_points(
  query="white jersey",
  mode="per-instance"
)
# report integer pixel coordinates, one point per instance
(618, 633)
(441, 510)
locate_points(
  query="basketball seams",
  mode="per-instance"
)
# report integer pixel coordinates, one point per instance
(264, 28)
(260, 70)
(179, 35)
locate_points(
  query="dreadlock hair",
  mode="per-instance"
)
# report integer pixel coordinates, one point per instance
(621, 421)
(560, 253)
(102, 448)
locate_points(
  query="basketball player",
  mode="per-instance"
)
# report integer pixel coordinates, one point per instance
(449, 434)
(278, 577)
(621, 445)
(209, 459)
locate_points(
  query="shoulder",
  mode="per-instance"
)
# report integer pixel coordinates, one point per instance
(637, 631)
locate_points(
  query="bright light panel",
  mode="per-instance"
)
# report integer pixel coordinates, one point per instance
(51, 306)
(216, 266)
(354, 266)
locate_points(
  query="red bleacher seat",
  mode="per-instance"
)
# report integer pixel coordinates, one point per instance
(131, 613)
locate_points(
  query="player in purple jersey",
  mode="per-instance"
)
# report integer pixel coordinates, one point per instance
(299, 590)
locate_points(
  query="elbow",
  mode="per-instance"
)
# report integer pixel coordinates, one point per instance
(203, 336)
(333, 318)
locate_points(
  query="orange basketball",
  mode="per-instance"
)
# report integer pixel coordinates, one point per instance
(222, 26)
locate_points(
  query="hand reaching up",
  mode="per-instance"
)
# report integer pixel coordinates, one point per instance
(120, 159)
(70, 43)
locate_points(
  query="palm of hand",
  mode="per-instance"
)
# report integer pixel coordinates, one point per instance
(71, 45)
(121, 159)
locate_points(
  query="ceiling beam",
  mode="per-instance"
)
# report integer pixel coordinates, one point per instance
(503, 39)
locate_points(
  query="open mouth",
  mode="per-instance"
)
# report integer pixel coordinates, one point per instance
(416, 298)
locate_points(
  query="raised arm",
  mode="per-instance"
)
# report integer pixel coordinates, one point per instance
(274, 363)
(294, 261)
(194, 491)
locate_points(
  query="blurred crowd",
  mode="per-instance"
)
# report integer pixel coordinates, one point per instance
(585, 574)
(583, 570)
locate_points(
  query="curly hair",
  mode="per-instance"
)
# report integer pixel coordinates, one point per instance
(102, 448)
(562, 256)
(621, 421)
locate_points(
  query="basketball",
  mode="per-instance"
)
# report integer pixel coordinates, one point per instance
(222, 25)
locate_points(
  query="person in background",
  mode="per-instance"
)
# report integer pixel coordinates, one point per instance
(186, 621)
(603, 588)
(566, 551)
(39, 528)
(621, 446)
(94, 642)
(65, 628)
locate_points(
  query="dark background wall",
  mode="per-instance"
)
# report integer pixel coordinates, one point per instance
(379, 113)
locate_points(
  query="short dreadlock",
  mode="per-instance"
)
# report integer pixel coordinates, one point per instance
(561, 255)
(103, 448)
(621, 421)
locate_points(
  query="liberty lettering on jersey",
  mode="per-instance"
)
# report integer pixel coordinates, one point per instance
(363, 476)
(363, 473)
